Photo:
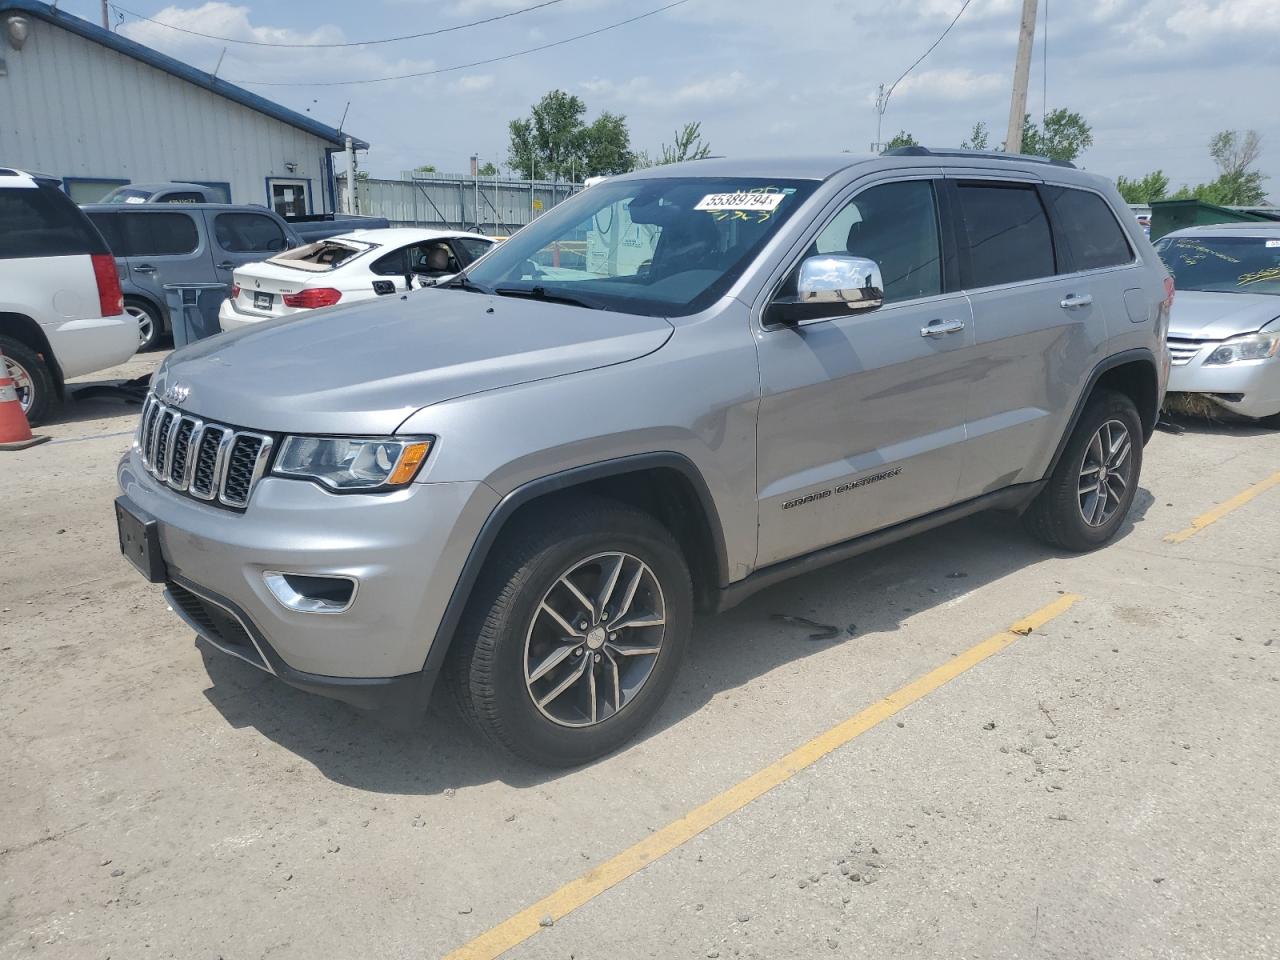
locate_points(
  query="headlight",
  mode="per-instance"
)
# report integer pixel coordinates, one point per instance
(352, 463)
(1255, 346)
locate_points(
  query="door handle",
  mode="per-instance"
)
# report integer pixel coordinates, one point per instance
(940, 328)
(1071, 301)
(226, 265)
(144, 268)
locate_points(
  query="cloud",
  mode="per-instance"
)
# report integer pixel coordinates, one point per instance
(949, 85)
(641, 90)
(475, 83)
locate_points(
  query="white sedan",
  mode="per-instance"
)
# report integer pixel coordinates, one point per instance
(361, 265)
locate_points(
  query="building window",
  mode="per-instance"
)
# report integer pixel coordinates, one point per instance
(289, 197)
(90, 189)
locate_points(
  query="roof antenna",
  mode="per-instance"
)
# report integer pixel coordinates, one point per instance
(219, 65)
(344, 115)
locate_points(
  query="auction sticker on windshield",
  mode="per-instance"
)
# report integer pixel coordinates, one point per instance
(766, 202)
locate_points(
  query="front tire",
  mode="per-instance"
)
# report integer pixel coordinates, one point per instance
(574, 632)
(1091, 490)
(37, 391)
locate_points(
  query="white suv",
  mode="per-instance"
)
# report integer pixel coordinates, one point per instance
(61, 310)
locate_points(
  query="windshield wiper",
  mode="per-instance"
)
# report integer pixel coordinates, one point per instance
(551, 296)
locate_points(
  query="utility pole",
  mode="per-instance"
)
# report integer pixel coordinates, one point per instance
(106, 24)
(351, 176)
(882, 103)
(1021, 73)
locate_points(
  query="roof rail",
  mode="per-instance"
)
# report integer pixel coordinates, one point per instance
(917, 151)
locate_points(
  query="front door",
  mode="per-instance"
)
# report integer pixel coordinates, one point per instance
(242, 237)
(862, 415)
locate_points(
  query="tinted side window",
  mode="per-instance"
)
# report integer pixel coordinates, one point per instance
(1008, 234)
(1089, 229)
(159, 234)
(42, 221)
(896, 225)
(248, 233)
(112, 229)
(390, 264)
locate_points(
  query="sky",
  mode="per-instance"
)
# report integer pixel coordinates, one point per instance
(1155, 78)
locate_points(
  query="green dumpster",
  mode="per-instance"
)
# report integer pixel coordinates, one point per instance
(1170, 215)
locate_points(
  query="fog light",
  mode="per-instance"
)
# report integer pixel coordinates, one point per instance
(311, 593)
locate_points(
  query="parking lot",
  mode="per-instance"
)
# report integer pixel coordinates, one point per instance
(1098, 782)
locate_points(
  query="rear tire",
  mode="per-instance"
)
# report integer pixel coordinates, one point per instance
(37, 390)
(508, 634)
(1090, 492)
(150, 325)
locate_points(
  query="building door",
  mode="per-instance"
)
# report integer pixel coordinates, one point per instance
(290, 198)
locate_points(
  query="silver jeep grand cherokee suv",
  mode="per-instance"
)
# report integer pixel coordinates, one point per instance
(677, 387)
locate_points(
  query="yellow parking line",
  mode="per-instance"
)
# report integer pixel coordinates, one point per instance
(523, 925)
(1222, 509)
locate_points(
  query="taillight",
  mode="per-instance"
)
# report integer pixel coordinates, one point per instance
(317, 297)
(235, 291)
(110, 298)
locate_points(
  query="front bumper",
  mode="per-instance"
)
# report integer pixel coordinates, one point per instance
(1250, 388)
(405, 549)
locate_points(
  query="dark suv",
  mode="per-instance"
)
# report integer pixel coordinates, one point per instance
(156, 244)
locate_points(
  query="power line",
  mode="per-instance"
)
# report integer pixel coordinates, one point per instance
(461, 66)
(354, 43)
(882, 97)
(932, 47)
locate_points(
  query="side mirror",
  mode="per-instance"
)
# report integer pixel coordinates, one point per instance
(825, 285)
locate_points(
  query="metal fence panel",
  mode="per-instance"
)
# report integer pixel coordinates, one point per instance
(489, 205)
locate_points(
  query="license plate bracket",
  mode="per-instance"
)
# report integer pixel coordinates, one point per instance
(262, 301)
(139, 534)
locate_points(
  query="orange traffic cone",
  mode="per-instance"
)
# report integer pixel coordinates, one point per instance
(15, 432)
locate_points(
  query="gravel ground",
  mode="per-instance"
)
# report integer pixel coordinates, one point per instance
(1104, 787)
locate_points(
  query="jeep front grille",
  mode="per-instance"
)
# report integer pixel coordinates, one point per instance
(208, 461)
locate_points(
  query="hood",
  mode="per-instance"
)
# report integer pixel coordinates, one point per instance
(1200, 315)
(363, 369)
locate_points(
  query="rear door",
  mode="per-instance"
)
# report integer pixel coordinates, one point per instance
(163, 245)
(240, 237)
(1037, 326)
(862, 415)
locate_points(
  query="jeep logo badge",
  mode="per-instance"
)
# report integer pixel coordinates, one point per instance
(175, 393)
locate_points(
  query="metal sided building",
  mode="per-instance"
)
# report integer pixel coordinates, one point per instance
(100, 111)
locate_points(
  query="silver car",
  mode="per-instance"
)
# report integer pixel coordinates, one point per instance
(1224, 335)
(680, 386)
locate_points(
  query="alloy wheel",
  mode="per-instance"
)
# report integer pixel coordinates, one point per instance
(146, 327)
(21, 382)
(594, 640)
(1105, 473)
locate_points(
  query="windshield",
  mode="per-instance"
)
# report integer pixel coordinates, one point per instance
(1223, 264)
(666, 247)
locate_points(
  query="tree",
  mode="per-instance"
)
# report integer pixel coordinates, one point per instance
(487, 169)
(1153, 186)
(979, 137)
(555, 140)
(901, 139)
(426, 168)
(1237, 183)
(688, 145)
(1065, 135)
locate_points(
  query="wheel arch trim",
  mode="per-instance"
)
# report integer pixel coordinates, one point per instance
(1137, 354)
(554, 483)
